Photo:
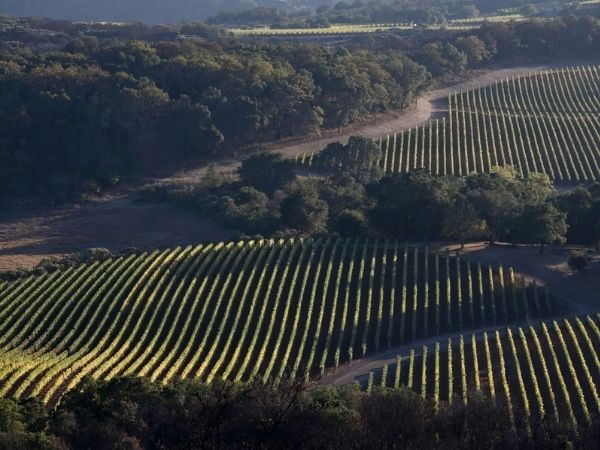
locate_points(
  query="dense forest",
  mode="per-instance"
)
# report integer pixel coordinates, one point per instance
(97, 106)
(81, 116)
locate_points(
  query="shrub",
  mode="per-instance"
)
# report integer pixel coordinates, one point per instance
(578, 261)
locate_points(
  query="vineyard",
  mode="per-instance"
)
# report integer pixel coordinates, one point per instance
(244, 310)
(343, 29)
(550, 370)
(331, 30)
(545, 122)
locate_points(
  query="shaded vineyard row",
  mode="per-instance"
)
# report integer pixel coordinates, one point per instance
(545, 122)
(551, 370)
(241, 310)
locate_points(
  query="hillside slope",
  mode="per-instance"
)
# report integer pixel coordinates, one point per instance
(548, 369)
(246, 309)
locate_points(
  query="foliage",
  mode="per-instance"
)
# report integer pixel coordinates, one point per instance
(82, 116)
(501, 205)
(579, 261)
(136, 413)
(266, 172)
(303, 210)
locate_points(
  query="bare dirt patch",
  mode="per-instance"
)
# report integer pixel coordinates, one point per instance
(116, 224)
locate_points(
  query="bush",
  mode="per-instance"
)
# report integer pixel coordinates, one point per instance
(578, 261)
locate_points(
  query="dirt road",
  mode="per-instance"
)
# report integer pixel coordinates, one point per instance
(580, 292)
(118, 223)
(358, 370)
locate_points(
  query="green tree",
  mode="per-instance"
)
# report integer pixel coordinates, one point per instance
(266, 172)
(543, 224)
(498, 209)
(363, 156)
(462, 222)
(248, 211)
(191, 129)
(303, 209)
(474, 48)
(350, 223)
(578, 261)
(412, 206)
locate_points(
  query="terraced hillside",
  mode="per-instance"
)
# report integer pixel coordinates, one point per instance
(552, 369)
(545, 122)
(239, 310)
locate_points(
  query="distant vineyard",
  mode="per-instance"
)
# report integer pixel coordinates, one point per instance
(342, 29)
(332, 30)
(548, 370)
(242, 310)
(508, 17)
(547, 122)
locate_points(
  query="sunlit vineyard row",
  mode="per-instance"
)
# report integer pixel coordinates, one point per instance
(508, 17)
(545, 122)
(455, 24)
(333, 29)
(244, 309)
(550, 370)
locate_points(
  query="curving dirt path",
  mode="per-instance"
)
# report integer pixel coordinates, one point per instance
(358, 370)
(580, 292)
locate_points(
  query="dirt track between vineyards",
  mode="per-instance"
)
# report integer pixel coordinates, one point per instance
(580, 293)
(119, 221)
(358, 370)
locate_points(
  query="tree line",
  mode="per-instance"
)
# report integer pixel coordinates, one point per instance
(268, 198)
(433, 12)
(135, 413)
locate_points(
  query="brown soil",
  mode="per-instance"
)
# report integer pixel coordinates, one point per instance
(116, 224)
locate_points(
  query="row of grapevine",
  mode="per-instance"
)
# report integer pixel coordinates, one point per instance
(549, 371)
(543, 122)
(243, 309)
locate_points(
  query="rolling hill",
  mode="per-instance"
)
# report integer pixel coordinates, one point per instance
(248, 309)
